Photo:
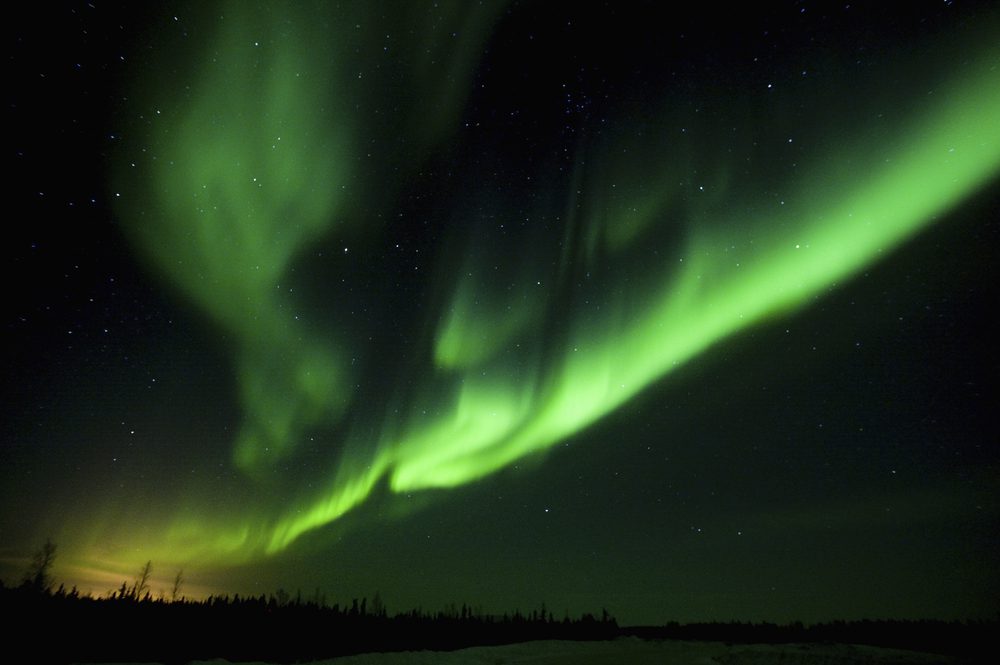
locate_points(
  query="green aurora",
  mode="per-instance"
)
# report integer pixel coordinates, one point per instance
(267, 155)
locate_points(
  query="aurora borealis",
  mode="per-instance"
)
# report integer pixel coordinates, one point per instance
(366, 271)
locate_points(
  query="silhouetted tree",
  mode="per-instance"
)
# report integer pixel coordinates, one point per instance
(141, 584)
(175, 592)
(378, 607)
(39, 576)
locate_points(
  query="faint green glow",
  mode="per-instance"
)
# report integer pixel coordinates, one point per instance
(479, 324)
(232, 205)
(259, 160)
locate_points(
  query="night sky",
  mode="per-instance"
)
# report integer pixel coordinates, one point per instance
(689, 313)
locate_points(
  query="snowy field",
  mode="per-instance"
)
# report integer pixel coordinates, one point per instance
(633, 651)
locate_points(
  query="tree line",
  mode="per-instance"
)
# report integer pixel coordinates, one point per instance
(129, 624)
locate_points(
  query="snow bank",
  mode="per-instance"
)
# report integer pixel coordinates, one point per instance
(634, 651)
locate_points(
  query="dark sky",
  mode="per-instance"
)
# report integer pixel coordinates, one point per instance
(685, 313)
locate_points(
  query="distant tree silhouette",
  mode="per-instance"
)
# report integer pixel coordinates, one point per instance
(378, 607)
(141, 584)
(39, 576)
(175, 592)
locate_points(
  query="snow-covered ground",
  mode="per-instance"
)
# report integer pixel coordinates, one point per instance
(633, 651)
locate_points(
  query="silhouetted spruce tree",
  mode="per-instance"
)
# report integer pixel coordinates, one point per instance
(141, 584)
(378, 607)
(175, 592)
(39, 576)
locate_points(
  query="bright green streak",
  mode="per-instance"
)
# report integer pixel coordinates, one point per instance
(260, 157)
(719, 289)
